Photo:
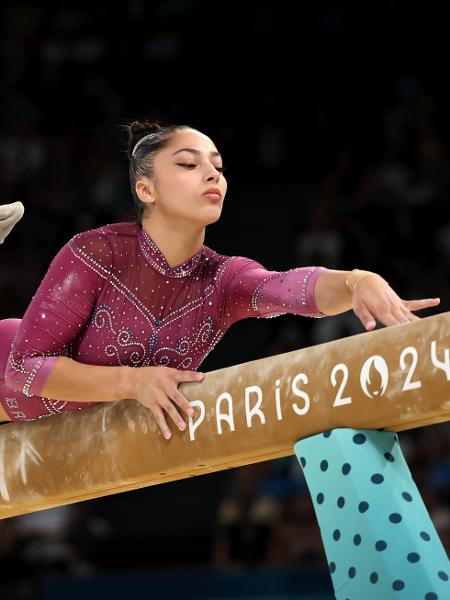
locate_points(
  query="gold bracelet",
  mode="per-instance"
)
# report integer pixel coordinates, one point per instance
(354, 277)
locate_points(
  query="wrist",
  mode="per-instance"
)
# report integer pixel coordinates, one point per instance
(355, 276)
(127, 382)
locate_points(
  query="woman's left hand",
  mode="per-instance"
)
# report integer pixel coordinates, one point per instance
(374, 300)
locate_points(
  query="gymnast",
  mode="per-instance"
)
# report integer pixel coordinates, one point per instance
(150, 294)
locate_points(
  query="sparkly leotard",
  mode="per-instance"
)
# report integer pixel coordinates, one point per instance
(109, 297)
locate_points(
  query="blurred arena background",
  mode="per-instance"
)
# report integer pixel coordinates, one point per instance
(333, 121)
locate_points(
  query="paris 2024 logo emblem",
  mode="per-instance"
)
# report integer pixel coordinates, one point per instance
(374, 376)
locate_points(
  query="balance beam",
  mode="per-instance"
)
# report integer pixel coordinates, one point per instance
(394, 378)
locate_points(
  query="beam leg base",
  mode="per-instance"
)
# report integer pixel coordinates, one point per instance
(378, 536)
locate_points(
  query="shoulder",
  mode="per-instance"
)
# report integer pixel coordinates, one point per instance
(110, 232)
(214, 260)
(232, 263)
(96, 246)
(230, 267)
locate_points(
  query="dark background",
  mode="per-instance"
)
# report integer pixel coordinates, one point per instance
(333, 122)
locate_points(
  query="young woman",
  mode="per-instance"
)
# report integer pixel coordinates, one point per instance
(151, 295)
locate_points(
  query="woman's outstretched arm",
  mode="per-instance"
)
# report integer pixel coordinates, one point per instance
(250, 290)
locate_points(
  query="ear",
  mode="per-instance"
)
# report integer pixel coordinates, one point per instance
(145, 190)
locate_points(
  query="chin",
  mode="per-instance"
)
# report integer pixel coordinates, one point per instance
(213, 216)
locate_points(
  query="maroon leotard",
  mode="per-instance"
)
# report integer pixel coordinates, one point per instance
(109, 297)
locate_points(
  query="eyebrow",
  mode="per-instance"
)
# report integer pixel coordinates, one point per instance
(194, 151)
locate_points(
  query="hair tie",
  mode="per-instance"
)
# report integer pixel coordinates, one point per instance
(139, 142)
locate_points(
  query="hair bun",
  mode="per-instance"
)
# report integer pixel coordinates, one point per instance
(137, 130)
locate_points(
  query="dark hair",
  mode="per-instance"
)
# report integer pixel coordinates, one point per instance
(141, 161)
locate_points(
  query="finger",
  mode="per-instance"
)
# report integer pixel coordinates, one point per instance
(381, 313)
(409, 315)
(161, 421)
(401, 315)
(170, 409)
(364, 315)
(181, 375)
(388, 319)
(177, 397)
(420, 304)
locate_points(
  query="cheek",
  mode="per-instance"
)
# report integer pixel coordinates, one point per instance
(176, 193)
(174, 185)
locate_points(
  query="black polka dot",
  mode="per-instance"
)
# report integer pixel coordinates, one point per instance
(303, 461)
(407, 496)
(443, 575)
(332, 567)
(336, 534)
(398, 585)
(357, 539)
(413, 557)
(377, 478)
(327, 434)
(351, 572)
(320, 498)
(431, 596)
(324, 465)
(424, 535)
(363, 506)
(359, 438)
(341, 501)
(395, 518)
(388, 456)
(381, 545)
(373, 577)
(346, 468)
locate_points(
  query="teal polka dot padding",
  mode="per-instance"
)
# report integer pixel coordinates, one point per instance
(379, 540)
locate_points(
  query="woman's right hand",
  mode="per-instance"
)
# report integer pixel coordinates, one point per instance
(157, 389)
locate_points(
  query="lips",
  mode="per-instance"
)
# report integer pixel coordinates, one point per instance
(213, 193)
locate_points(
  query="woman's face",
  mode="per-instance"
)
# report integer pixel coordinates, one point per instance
(184, 170)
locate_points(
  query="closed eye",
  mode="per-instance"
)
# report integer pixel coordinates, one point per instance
(193, 165)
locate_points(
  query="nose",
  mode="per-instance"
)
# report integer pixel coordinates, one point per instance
(212, 174)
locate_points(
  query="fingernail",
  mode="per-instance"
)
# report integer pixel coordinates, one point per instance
(167, 436)
(182, 426)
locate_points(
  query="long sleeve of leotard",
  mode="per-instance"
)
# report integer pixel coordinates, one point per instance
(58, 311)
(250, 290)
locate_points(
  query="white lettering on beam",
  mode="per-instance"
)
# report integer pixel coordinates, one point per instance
(301, 394)
(278, 400)
(228, 417)
(251, 412)
(194, 424)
